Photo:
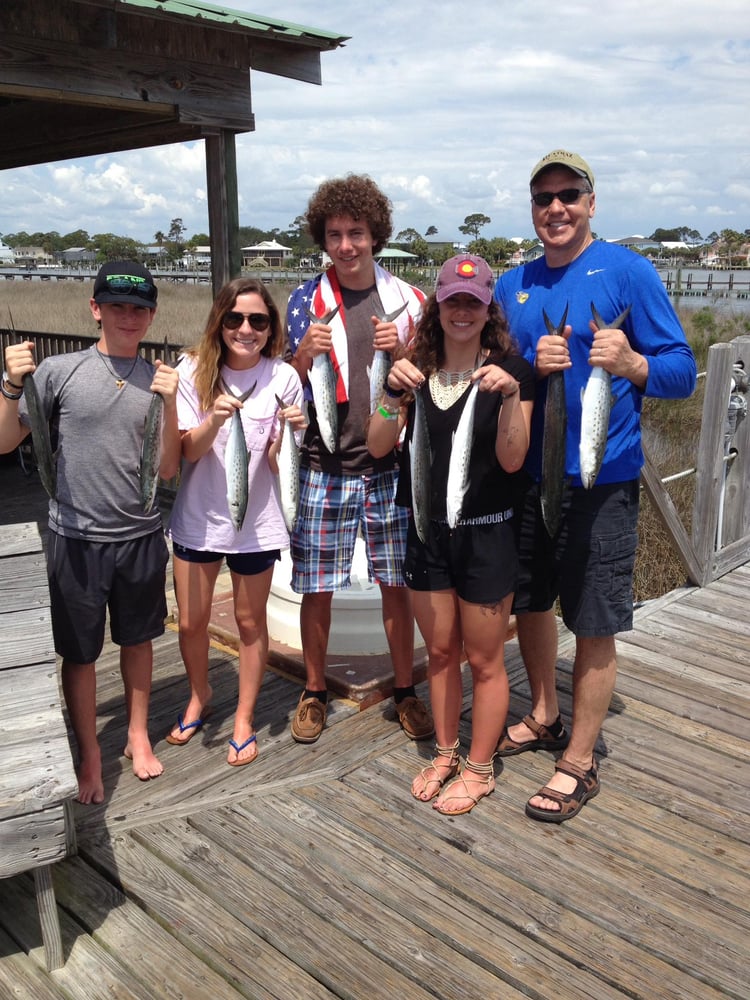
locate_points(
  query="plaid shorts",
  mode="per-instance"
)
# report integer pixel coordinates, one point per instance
(332, 510)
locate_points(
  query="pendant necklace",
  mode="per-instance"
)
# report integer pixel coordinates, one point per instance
(119, 382)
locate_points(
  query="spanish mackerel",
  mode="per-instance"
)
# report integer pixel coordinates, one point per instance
(151, 452)
(381, 364)
(553, 440)
(458, 466)
(236, 459)
(45, 460)
(322, 376)
(151, 446)
(596, 404)
(288, 462)
(420, 462)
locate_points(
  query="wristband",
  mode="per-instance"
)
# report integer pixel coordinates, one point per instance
(10, 395)
(13, 385)
(387, 414)
(393, 393)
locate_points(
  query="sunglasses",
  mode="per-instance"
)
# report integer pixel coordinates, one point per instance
(234, 320)
(125, 284)
(569, 196)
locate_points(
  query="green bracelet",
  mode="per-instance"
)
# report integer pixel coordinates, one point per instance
(387, 413)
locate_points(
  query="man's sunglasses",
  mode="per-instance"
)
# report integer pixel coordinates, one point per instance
(234, 320)
(569, 196)
(126, 285)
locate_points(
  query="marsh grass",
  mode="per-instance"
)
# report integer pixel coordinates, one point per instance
(671, 428)
(63, 307)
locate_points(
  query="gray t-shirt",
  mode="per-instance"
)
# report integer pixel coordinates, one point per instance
(97, 432)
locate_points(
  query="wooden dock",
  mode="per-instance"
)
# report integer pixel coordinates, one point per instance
(312, 873)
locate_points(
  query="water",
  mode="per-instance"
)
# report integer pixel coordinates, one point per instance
(699, 288)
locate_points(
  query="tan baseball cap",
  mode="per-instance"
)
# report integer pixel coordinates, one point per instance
(564, 158)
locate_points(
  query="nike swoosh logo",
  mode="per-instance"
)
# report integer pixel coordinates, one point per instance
(595, 270)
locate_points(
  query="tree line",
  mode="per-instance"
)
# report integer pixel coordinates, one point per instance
(173, 241)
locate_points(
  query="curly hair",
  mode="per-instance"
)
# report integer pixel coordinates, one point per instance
(428, 346)
(210, 353)
(357, 196)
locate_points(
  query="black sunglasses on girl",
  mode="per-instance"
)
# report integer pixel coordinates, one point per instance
(234, 320)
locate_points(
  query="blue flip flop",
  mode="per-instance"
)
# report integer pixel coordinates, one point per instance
(186, 726)
(239, 748)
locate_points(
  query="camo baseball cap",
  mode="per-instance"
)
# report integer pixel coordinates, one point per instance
(563, 158)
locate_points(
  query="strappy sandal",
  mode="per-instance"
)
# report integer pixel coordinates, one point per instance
(481, 774)
(587, 786)
(551, 737)
(435, 778)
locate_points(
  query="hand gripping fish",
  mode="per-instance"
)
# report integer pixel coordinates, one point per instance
(236, 459)
(553, 441)
(420, 463)
(322, 376)
(381, 364)
(458, 465)
(288, 462)
(45, 460)
(596, 403)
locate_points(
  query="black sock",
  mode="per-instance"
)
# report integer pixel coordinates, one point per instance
(400, 693)
(320, 695)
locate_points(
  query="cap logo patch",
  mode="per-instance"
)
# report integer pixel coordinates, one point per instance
(466, 269)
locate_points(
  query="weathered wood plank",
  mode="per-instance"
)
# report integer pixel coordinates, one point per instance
(200, 923)
(338, 961)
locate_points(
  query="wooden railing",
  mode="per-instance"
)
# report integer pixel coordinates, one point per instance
(720, 539)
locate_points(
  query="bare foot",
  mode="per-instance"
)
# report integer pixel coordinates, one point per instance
(90, 784)
(146, 764)
(431, 779)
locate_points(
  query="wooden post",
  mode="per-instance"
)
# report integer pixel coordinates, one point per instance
(223, 208)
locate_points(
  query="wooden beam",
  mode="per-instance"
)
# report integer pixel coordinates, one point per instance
(223, 208)
(669, 517)
(210, 95)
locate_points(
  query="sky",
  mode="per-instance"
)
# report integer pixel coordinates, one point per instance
(447, 107)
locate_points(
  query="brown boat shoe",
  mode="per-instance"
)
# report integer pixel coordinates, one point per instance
(415, 718)
(309, 719)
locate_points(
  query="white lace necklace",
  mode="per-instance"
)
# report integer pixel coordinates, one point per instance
(446, 387)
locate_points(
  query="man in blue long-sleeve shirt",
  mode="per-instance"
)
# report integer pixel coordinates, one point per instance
(588, 562)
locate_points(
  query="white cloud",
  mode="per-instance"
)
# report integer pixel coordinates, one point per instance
(448, 109)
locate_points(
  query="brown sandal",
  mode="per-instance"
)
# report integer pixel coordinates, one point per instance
(477, 774)
(587, 786)
(551, 737)
(435, 778)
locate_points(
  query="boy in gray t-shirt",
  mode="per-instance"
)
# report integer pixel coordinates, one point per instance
(104, 552)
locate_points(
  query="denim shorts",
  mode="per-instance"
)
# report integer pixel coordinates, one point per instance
(87, 578)
(589, 565)
(333, 509)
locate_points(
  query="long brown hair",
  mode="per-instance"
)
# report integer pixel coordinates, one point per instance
(211, 352)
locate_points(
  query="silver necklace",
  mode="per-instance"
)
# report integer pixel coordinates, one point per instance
(119, 382)
(446, 387)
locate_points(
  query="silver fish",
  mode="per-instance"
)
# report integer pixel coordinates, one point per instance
(45, 460)
(420, 462)
(458, 465)
(596, 404)
(381, 364)
(151, 452)
(236, 459)
(553, 441)
(288, 461)
(322, 376)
